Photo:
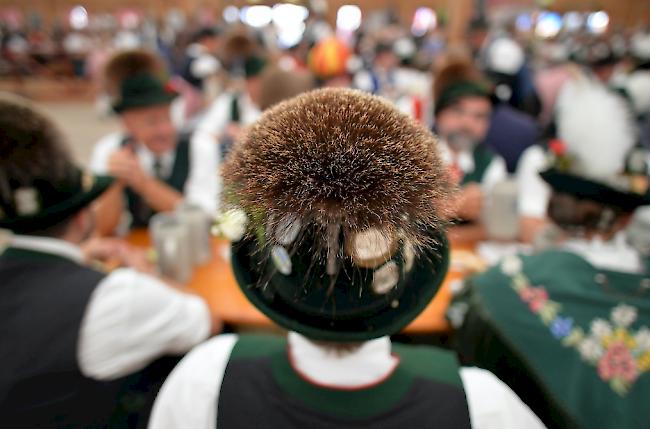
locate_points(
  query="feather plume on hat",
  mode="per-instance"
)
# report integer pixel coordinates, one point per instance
(344, 159)
(597, 127)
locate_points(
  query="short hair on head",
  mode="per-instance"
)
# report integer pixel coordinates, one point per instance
(573, 214)
(127, 64)
(31, 148)
(278, 84)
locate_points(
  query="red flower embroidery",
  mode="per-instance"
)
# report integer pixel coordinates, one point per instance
(558, 147)
(618, 363)
(536, 297)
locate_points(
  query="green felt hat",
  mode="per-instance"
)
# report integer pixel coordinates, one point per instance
(349, 307)
(45, 204)
(142, 90)
(461, 89)
(345, 198)
(585, 188)
(253, 66)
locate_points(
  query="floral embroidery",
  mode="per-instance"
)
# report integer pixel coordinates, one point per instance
(561, 327)
(619, 355)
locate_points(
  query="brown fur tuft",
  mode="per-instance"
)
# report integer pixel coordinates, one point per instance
(341, 157)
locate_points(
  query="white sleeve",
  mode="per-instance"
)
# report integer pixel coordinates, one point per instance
(189, 397)
(495, 173)
(203, 183)
(535, 193)
(216, 118)
(204, 66)
(102, 152)
(493, 405)
(132, 319)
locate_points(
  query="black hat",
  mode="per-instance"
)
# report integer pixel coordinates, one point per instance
(39, 185)
(346, 198)
(142, 90)
(45, 204)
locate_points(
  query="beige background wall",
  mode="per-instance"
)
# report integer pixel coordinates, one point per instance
(623, 12)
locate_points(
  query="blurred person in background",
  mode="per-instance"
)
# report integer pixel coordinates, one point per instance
(573, 322)
(198, 73)
(587, 112)
(511, 130)
(463, 107)
(636, 84)
(235, 109)
(156, 167)
(238, 106)
(278, 84)
(80, 347)
(329, 61)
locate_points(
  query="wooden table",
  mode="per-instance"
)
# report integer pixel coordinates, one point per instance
(216, 283)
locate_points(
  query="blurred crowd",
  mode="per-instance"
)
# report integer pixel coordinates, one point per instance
(542, 140)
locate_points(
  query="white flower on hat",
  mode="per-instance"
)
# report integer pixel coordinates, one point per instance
(26, 201)
(511, 265)
(642, 338)
(624, 315)
(601, 328)
(231, 224)
(590, 349)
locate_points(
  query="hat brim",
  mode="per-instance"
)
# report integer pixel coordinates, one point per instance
(390, 313)
(592, 190)
(58, 213)
(144, 101)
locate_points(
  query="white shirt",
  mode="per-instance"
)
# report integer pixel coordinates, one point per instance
(131, 318)
(190, 395)
(496, 172)
(535, 192)
(218, 116)
(615, 254)
(202, 185)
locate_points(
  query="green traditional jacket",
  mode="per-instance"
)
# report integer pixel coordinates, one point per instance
(571, 340)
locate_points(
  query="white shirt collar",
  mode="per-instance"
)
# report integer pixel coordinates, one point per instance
(147, 159)
(52, 246)
(615, 255)
(371, 363)
(464, 158)
(195, 49)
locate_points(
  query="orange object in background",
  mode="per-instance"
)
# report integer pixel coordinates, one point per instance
(329, 58)
(216, 283)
